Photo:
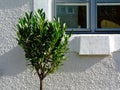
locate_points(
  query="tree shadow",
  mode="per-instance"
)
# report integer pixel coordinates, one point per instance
(77, 63)
(12, 62)
(116, 58)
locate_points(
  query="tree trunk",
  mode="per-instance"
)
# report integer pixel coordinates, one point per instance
(41, 84)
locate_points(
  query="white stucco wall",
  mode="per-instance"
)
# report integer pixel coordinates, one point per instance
(86, 69)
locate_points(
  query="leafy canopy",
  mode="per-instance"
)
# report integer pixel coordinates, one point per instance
(44, 42)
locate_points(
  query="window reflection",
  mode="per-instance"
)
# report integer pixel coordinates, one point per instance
(73, 16)
(108, 16)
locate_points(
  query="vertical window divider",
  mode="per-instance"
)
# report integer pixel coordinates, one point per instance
(93, 15)
(88, 16)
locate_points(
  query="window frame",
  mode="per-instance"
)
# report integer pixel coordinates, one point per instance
(87, 18)
(91, 17)
(106, 29)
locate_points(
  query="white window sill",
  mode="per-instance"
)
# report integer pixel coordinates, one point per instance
(92, 44)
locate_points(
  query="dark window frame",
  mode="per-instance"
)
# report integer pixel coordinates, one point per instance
(92, 19)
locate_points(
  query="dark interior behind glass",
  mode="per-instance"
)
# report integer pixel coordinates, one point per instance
(73, 16)
(108, 16)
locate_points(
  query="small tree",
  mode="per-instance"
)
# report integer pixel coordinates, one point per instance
(44, 42)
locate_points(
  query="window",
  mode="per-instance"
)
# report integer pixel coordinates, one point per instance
(72, 15)
(89, 16)
(108, 15)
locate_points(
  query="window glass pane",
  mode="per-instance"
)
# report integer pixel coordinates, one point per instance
(73, 15)
(108, 16)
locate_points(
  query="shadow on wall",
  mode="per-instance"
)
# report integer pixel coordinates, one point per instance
(12, 62)
(116, 58)
(9, 4)
(77, 63)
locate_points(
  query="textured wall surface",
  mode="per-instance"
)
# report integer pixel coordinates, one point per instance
(9, 14)
(79, 72)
